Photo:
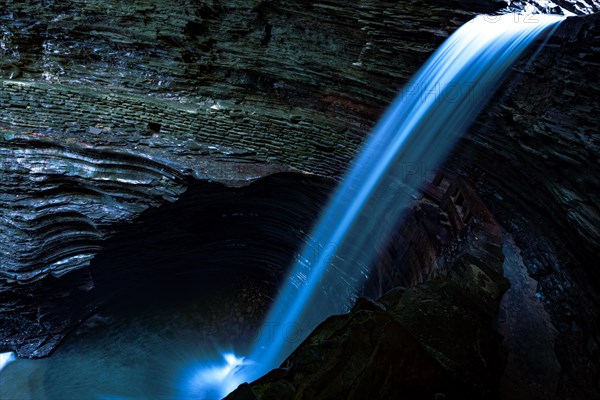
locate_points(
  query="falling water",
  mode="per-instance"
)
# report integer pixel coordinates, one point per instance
(415, 135)
(6, 358)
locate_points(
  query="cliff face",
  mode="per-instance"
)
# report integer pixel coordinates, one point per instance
(534, 154)
(538, 142)
(110, 107)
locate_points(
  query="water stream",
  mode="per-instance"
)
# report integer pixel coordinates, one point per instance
(413, 137)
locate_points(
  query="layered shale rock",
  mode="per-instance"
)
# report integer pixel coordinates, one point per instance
(544, 134)
(211, 231)
(534, 155)
(112, 108)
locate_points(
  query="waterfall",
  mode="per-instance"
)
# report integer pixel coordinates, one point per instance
(415, 135)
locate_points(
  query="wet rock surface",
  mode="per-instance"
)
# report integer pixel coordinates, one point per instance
(533, 157)
(532, 367)
(433, 340)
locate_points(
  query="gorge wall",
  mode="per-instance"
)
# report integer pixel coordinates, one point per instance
(110, 108)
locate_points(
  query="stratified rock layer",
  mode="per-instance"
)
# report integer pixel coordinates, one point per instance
(110, 110)
(211, 231)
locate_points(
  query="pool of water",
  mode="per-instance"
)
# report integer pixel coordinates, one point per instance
(149, 350)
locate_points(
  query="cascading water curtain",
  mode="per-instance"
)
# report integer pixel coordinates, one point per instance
(415, 135)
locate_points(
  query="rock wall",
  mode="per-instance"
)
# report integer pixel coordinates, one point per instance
(538, 142)
(534, 156)
(271, 85)
(111, 107)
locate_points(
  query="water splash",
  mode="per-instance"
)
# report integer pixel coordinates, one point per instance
(6, 358)
(214, 380)
(414, 136)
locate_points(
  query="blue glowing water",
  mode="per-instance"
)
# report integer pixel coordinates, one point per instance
(144, 349)
(414, 136)
(6, 358)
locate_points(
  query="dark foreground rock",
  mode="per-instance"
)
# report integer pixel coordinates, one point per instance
(432, 341)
